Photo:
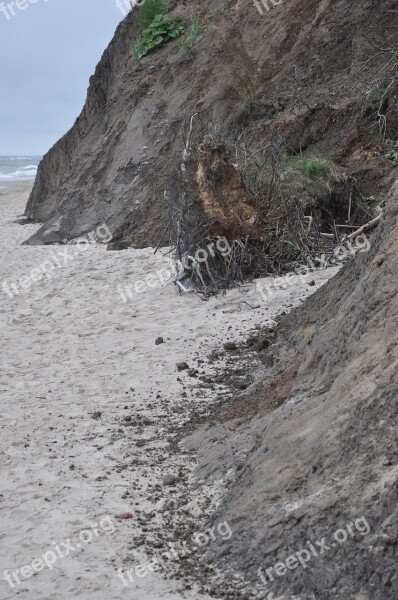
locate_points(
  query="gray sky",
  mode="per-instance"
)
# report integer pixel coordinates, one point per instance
(47, 54)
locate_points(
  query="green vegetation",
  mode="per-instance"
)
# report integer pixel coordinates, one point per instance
(392, 156)
(161, 30)
(311, 166)
(158, 29)
(368, 199)
(149, 10)
(188, 41)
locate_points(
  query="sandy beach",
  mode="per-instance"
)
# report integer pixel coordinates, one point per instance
(91, 406)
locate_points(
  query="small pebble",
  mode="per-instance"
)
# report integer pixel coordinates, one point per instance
(182, 366)
(169, 479)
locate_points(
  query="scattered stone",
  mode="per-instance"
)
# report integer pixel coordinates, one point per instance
(312, 282)
(153, 543)
(192, 372)
(125, 515)
(251, 340)
(214, 355)
(182, 366)
(96, 415)
(159, 341)
(169, 479)
(239, 384)
(127, 418)
(262, 344)
(230, 346)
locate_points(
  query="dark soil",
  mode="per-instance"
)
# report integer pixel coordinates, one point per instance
(318, 434)
(306, 76)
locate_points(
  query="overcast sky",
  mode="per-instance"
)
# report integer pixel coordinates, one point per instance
(47, 54)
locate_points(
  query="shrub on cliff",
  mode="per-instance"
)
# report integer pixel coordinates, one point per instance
(149, 10)
(161, 30)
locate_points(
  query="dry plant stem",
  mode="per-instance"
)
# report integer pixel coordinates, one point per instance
(367, 227)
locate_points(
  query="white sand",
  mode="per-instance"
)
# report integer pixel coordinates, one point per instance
(69, 347)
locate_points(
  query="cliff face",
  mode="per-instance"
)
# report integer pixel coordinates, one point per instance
(76, 185)
(321, 418)
(312, 443)
(295, 73)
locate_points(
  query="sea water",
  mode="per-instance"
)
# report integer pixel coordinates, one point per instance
(17, 168)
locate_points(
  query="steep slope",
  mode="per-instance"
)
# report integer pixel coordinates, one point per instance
(319, 435)
(298, 73)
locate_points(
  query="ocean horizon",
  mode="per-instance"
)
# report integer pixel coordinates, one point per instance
(19, 167)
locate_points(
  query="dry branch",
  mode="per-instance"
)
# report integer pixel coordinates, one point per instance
(367, 227)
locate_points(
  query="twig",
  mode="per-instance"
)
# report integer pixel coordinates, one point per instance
(185, 153)
(349, 208)
(367, 227)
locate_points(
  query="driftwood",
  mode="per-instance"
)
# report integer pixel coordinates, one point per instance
(367, 227)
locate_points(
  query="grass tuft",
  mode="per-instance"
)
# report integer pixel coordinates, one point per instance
(311, 166)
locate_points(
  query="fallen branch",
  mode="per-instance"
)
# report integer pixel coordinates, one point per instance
(367, 227)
